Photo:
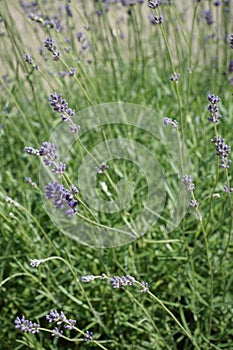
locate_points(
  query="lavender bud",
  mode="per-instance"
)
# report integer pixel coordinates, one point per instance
(88, 336)
(145, 287)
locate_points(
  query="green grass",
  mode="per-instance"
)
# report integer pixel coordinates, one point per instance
(127, 59)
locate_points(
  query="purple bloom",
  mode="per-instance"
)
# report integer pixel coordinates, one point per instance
(56, 332)
(68, 10)
(61, 106)
(223, 151)
(227, 189)
(213, 108)
(59, 169)
(29, 181)
(88, 278)
(157, 19)
(36, 262)
(187, 181)
(118, 282)
(74, 128)
(50, 44)
(145, 287)
(26, 325)
(208, 17)
(53, 316)
(79, 36)
(30, 61)
(48, 149)
(231, 40)
(169, 121)
(175, 77)
(193, 203)
(70, 324)
(88, 336)
(230, 68)
(217, 3)
(153, 4)
(32, 151)
(61, 198)
(102, 168)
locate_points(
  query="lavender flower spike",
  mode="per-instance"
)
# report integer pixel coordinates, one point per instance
(118, 282)
(187, 181)
(153, 4)
(26, 325)
(89, 336)
(61, 197)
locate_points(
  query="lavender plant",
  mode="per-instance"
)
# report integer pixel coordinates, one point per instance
(166, 290)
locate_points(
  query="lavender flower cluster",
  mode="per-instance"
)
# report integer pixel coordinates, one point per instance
(213, 108)
(59, 318)
(50, 44)
(29, 60)
(231, 41)
(169, 121)
(223, 151)
(54, 23)
(102, 168)
(158, 19)
(190, 187)
(117, 281)
(48, 152)
(62, 197)
(188, 183)
(26, 326)
(61, 106)
(71, 73)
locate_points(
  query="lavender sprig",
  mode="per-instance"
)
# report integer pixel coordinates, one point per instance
(187, 181)
(88, 336)
(49, 153)
(213, 108)
(50, 44)
(61, 106)
(62, 198)
(169, 121)
(29, 60)
(26, 326)
(153, 4)
(118, 282)
(223, 151)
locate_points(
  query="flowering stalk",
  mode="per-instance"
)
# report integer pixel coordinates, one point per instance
(175, 76)
(61, 321)
(118, 282)
(189, 185)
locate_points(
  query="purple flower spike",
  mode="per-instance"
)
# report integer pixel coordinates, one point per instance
(26, 325)
(187, 181)
(62, 198)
